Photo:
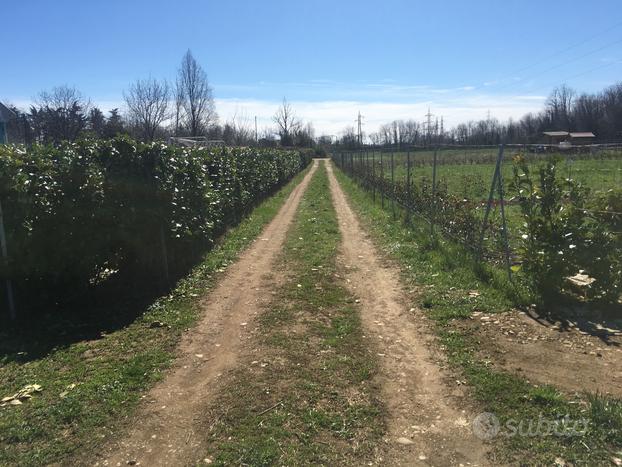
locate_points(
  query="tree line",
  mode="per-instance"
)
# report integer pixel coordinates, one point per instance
(154, 110)
(565, 110)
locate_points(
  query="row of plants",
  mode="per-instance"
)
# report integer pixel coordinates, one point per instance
(561, 228)
(79, 214)
(568, 229)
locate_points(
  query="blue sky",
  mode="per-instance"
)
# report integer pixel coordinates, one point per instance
(390, 59)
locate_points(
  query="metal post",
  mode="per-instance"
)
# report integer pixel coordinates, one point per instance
(393, 183)
(433, 217)
(5, 259)
(506, 243)
(495, 177)
(408, 193)
(361, 167)
(373, 175)
(381, 179)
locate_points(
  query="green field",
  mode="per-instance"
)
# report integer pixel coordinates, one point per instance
(467, 174)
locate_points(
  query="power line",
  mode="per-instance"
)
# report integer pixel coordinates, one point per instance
(554, 55)
(563, 63)
(599, 67)
(559, 52)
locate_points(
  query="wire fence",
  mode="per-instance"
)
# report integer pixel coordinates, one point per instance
(468, 192)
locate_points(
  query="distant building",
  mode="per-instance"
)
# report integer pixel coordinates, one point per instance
(582, 137)
(565, 139)
(6, 114)
(556, 137)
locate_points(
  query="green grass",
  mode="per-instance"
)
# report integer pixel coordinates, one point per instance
(468, 172)
(109, 373)
(444, 274)
(322, 407)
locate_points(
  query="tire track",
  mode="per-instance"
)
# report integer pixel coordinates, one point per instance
(167, 427)
(425, 426)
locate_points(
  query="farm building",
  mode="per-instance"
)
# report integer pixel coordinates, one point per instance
(582, 137)
(556, 137)
(6, 114)
(567, 138)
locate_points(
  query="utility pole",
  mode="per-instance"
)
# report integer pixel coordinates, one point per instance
(256, 134)
(429, 116)
(359, 122)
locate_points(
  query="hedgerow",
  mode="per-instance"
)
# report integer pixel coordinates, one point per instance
(79, 213)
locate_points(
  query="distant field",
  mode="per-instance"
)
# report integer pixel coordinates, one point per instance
(467, 173)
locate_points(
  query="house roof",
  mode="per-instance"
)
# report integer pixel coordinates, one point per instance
(556, 133)
(583, 134)
(6, 114)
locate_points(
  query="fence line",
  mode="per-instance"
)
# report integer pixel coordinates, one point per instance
(488, 236)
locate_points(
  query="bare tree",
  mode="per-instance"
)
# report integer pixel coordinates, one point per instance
(197, 97)
(349, 137)
(147, 103)
(305, 135)
(63, 97)
(287, 123)
(559, 106)
(180, 97)
(59, 114)
(241, 132)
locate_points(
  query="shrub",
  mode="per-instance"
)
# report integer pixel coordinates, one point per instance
(566, 230)
(79, 212)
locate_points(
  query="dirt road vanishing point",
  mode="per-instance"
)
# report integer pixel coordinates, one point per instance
(426, 424)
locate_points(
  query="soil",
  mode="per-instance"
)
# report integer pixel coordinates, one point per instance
(573, 358)
(167, 426)
(429, 422)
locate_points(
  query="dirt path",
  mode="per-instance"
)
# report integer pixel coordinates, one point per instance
(165, 428)
(426, 425)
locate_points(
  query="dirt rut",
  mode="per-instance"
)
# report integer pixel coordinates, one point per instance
(426, 425)
(165, 427)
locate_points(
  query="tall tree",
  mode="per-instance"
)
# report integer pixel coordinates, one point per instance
(287, 123)
(114, 124)
(180, 97)
(96, 122)
(559, 105)
(196, 94)
(147, 103)
(59, 114)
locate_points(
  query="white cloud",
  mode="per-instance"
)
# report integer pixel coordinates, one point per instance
(379, 104)
(332, 116)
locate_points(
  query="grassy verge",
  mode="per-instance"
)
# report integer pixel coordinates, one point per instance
(89, 386)
(445, 274)
(308, 399)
